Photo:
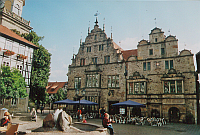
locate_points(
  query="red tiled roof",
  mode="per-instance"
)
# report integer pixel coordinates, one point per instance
(10, 33)
(53, 87)
(126, 54)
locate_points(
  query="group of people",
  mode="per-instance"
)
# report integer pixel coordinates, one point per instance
(81, 115)
(6, 119)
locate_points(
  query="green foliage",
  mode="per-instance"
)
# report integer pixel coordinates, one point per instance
(12, 84)
(17, 32)
(32, 37)
(40, 69)
(60, 95)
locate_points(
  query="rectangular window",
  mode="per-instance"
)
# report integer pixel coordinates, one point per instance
(142, 90)
(169, 64)
(173, 86)
(148, 65)
(113, 81)
(166, 65)
(136, 87)
(150, 51)
(130, 88)
(94, 60)
(100, 47)
(166, 87)
(92, 80)
(109, 81)
(162, 51)
(89, 49)
(144, 66)
(107, 59)
(82, 62)
(77, 82)
(179, 86)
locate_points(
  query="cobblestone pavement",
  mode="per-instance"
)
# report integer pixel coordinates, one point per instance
(119, 129)
(169, 129)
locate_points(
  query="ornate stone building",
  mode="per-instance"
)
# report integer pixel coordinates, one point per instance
(154, 74)
(10, 15)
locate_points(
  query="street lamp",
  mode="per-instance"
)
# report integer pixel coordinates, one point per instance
(79, 96)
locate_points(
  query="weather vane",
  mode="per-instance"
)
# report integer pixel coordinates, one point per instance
(96, 14)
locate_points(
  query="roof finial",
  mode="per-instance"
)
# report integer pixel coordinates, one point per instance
(96, 21)
(111, 32)
(96, 17)
(89, 28)
(104, 24)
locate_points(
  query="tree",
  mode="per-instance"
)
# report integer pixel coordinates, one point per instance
(12, 83)
(40, 69)
(60, 95)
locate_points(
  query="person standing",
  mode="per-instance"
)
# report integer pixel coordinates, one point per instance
(102, 112)
(79, 112)
(83, 112)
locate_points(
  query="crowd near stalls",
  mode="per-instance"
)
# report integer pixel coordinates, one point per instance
(152, 121)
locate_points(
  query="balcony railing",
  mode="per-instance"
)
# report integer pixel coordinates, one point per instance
(16, 16)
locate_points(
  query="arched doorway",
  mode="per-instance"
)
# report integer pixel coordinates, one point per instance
(155, 113)
(174, 114)
(136, 111)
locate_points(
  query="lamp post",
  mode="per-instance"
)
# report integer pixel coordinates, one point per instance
(79, 96)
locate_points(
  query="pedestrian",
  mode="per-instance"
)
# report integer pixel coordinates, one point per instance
(79, 112)
(107, 123)
(102, 112)
(41, 108)
(83, 113)
(33, 114)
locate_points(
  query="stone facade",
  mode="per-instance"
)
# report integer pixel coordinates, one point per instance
(154, 74)
(10, 15)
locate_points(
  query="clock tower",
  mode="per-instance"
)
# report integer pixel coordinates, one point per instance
(10, 15)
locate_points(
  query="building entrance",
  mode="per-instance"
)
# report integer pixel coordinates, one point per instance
(174, 114)
(113, 110)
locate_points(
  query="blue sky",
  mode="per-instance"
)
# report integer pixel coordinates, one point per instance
(64, 22)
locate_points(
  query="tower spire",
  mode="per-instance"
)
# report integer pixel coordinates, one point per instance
(96, 21)
(104, 25)
(111, 32)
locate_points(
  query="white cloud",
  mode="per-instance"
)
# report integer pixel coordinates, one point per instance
(58, 75)
(129, 43)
